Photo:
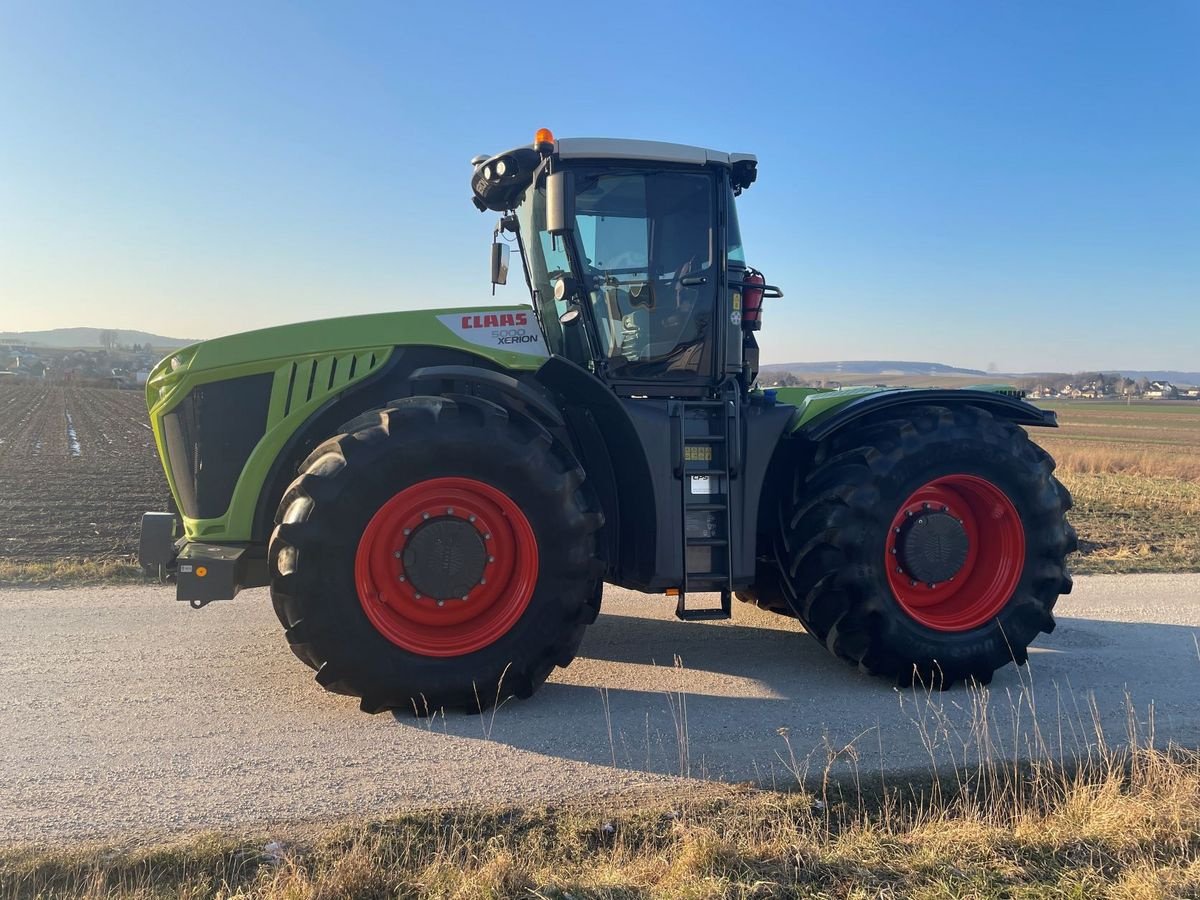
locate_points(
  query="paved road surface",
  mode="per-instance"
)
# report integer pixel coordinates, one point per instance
(124, 712)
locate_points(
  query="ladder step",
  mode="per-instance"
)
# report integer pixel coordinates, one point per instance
(704, 472)
(724, 611)
(696, 580)
(703, 438)
(706, 542)
(705, 507)
(702, 615)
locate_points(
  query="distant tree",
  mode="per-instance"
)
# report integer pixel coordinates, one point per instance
(108, 339)
(1143, 385)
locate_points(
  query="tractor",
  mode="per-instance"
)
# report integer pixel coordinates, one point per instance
(436, 498)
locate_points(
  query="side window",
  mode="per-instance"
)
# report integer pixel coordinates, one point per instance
(734, 252)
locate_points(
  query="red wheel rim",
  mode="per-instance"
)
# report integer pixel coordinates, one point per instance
(455, 626)
(994, 561)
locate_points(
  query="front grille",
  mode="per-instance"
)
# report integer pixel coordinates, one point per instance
(210, 435)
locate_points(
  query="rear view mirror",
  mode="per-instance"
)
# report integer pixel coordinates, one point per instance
(560, 202)
(500, 263)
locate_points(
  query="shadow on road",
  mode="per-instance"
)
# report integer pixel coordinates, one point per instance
(737, 702)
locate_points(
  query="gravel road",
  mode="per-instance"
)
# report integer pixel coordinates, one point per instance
(123, 713)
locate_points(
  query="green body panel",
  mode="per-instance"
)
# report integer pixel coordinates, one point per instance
(314, 349)
(813, 403)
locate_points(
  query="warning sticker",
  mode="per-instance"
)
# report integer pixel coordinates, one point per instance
(702, 484)
(515, 331)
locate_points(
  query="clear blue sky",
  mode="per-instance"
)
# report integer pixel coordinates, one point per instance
(1014, 183)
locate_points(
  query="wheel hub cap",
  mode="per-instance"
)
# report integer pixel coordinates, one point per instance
(444, 558)
(932, 547)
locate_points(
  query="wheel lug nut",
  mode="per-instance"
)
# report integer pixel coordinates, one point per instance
(401, 577)
(483, 581)
(945, 509)
(925, 506)
(408, 531)
(464, 596)
(491, 559)
(449, 510)
(912, 584)
(470, 518)
(893, 551)
(932, 585)
(441, 603)
(397, 554)
(424, 515)
(899, 570)
(488, 536)
(418, 596)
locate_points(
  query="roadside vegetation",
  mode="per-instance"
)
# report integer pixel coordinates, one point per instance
(1124, 825)
(57, 572)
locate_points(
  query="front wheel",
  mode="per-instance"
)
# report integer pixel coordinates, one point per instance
(440, 553)
(930, 548)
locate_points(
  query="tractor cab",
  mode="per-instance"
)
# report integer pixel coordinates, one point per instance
(634, 260)
(633, 257)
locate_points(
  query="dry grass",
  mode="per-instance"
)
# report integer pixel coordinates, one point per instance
(1129, 827)
(71, 571)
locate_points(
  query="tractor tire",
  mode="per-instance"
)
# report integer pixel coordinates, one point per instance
(438, 554)
(930, 548)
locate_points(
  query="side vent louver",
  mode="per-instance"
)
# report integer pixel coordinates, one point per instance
(306, 381)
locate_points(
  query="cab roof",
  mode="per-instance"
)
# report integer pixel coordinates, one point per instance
(649, 151)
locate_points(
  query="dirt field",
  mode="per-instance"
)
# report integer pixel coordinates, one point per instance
(77, 470)
(1134, 470)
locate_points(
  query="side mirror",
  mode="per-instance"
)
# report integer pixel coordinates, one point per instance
(500, 263)
(560, 202)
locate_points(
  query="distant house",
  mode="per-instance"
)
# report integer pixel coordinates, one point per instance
(1162, 390)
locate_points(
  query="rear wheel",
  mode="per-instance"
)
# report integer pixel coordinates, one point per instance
(931, 547)
(438, 554)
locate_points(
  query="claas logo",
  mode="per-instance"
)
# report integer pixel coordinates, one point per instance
(495, 320)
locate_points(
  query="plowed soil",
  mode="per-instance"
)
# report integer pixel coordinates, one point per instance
(77, 470)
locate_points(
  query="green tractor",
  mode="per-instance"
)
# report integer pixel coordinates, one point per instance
(436, 498)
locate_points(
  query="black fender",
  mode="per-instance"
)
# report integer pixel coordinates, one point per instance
(1003, 406)
(613, 454)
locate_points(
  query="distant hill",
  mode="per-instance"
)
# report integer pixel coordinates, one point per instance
(88, 337)
(873, 367)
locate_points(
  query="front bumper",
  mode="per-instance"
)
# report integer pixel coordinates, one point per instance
(202, 572)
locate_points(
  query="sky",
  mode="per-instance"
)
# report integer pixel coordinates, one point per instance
(1012, 184)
